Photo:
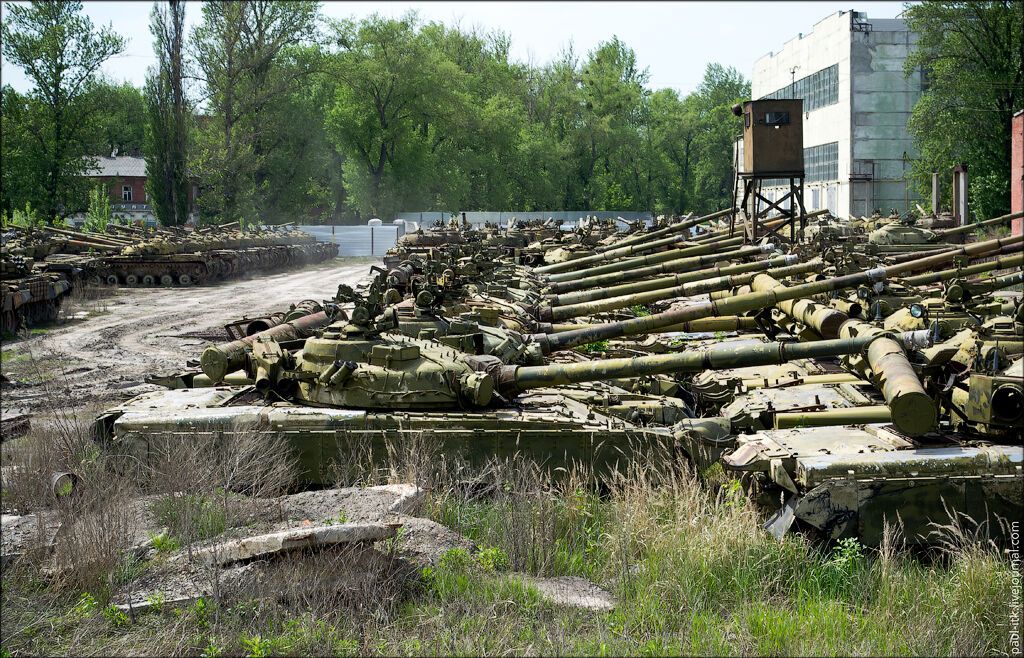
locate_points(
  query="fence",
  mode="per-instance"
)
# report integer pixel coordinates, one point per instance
(427, 218)
(357, 240)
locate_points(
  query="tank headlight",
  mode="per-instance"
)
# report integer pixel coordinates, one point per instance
(918, 311)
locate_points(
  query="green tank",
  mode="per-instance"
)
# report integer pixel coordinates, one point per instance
(30, 295)
(352, 381)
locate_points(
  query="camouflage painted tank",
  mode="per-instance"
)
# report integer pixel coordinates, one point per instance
(29, 296)
(351, 383)
(133, 256)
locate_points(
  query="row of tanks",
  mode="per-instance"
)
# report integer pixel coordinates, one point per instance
(41, 265)
(846, 387)
(147, 256)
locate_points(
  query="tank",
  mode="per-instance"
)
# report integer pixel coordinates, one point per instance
(29, 295)
(351, 380)
(133, 256)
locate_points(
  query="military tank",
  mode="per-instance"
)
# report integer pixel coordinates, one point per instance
(29, 295)
(352, 383)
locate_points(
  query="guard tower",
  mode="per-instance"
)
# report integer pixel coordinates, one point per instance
(773, 148)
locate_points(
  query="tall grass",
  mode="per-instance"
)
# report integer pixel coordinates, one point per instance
(692, 573)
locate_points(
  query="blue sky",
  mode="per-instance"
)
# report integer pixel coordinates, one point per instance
(673, 40)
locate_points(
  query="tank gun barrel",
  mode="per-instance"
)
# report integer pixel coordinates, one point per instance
(913, 409)
(684, 261)
(728, 323)
(218, 360)
(672, 229)
(1015, 260)
(967, 228)
(753, 300)
(967, 289)
(516, 379)
(647, 259)
(698, 287)
(672, 281)
(610, 255)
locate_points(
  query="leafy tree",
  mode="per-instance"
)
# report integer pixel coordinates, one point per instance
(238, 48)
(118, 126)
(972, 57)
(98, 215)
(60, 51)
(168, 117)
(392, 106)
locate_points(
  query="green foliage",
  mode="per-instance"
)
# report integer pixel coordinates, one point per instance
(492, 558)
(973, 58)
(84, 607)
(596, 346)
(256, 646)
(98, 215)
(190, 517)
(168, 117)
(117, 617)
(640, 310)
(27, 218)
(164, 543)
(50, 130)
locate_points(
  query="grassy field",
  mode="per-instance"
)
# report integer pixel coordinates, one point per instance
(692, 573)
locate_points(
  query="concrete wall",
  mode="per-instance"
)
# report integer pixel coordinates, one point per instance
(883, 98)
(357, 240)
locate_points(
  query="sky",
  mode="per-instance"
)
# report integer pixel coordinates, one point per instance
(673, 40)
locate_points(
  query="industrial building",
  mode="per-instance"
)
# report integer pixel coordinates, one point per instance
(857, 100)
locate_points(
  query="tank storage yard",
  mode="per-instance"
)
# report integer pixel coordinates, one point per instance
(786, 421)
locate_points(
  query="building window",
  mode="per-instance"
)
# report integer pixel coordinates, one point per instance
(821, 162)
(818, 89)
(126, 193)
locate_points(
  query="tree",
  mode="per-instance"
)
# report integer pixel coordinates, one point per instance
(394, 102)
(971, 55)
(118, 126)
(168, 115)
(60, 51)
(238, 48)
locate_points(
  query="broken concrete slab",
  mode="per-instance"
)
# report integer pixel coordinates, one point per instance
(571, 591)
(156, 602)
(296, 538)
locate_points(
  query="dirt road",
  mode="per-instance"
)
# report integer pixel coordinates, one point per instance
(137, 332)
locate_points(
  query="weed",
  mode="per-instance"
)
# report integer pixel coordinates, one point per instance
(596, 346)
(189, 517)
(164, 543)
(492, 558)
(117, 617)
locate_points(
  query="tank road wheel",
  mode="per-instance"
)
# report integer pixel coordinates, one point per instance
(95, 280)
(112, 280)
(167, 280)
(184, 280)
(148, 280)
(132, 279)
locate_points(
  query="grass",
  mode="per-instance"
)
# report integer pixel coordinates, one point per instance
(692, 573)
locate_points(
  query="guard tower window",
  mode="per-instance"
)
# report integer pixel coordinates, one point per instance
(776, 118)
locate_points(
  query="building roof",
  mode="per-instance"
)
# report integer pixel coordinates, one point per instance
(118, 166)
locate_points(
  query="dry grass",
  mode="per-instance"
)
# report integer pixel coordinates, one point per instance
(693, 572)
